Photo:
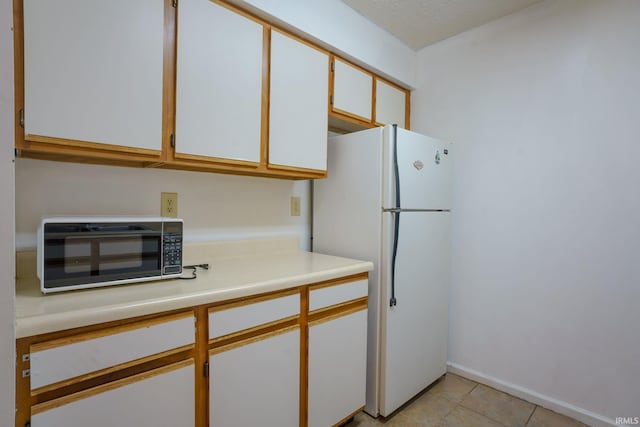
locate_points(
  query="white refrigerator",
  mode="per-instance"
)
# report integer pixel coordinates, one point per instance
(387, 199)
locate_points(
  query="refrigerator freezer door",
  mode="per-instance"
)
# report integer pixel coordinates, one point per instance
(424, 167)
(414, 332)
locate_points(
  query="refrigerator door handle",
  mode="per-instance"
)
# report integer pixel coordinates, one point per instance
(396, 217)
(396, 227)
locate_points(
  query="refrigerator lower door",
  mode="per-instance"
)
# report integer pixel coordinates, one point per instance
(414, 332)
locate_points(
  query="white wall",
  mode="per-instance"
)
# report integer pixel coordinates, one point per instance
(543, 109)
(342, 28)
(213, 206)
(7, 275)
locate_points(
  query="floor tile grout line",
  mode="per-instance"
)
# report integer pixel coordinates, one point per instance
(535, 408)
(485, 416)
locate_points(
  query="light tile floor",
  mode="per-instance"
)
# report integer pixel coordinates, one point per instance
(454, 401)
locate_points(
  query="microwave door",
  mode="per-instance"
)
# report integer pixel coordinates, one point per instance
(95, 253)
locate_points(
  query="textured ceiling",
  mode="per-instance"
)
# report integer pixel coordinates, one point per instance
(421, 22)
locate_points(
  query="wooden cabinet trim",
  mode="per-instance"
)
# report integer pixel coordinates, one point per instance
(107, 375)
(304, 357)
(266, 91)
(79, 337)
(201, 355)
(340, 281)
(350, 119)
(18, 69)
(318, 173)
(341, 113)
(256, 338)
(348, 417)
(239, 302)
(79, 146)
(338, 310)
(374, 99)
(300, 39)
(407, 110)
(194, 158)
(45, 406)
(240, 11)
(252, 332)
(169, 66)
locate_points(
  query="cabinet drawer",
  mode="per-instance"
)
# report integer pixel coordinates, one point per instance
(69, 357)
(332, 295)
(162, 397)
(229, 320)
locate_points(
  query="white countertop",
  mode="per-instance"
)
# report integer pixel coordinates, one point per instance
(237, 269)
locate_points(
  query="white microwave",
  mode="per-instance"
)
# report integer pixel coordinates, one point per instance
(88, 252)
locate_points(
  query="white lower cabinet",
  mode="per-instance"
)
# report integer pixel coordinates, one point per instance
(337, 368)
(162, 397)
(256, 382)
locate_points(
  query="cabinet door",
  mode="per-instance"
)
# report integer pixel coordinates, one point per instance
(93, 72)
(391, 104)
(256, 382)
(219, 83)
(337, 368)
(298, 104)
(352, 91)
(163, 397)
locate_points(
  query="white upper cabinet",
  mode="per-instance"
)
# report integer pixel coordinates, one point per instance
(93, 71)
(219, 82)
(390, 104)
(298, 104)
(352, 90)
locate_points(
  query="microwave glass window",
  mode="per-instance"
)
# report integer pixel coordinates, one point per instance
(77, 255)
(122, 254)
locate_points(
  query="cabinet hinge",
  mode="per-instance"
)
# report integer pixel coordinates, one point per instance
(26, 357)
(174, 3)
(21, 118)
(26, 373)
(205, 370)
(172, 140)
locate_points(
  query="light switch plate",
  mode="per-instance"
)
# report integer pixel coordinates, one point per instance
(295, 206)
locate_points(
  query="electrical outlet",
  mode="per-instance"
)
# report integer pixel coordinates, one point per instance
(295, 206)
(169, 205)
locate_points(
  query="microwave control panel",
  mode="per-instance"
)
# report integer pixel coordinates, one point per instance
(172, 248)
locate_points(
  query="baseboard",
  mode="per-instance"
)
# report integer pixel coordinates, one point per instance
(564, 408)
